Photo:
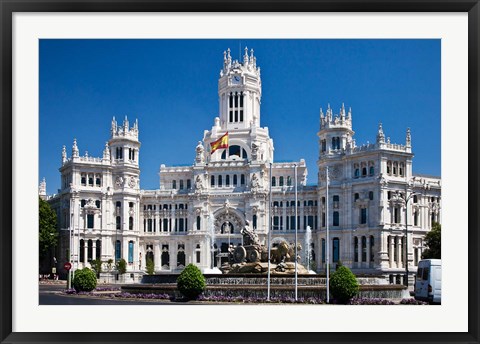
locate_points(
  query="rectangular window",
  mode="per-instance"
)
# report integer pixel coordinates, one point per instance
(90, 221)
(363, 216)
(336, 218)
(198, 256)
(181, 184)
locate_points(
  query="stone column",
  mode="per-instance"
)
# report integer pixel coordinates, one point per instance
(157, 252)
(399, 252)
(392, 250)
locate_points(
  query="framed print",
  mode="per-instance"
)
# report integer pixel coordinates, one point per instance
(377, 102)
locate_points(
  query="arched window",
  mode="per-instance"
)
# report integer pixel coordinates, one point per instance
(82, 251)
(219, 181)
(165, 257)
(212, 181)
(274, 181)
(372, 170)
(98, 249)
(130, 251)
(289, 181)
(235, 180)
(227, 180)
(118, 250)
(356, 196)
(336, 250)
(181, 184)
(364, 249)
(181, 256)
(355, 255)
(254, 221)
(198, 254)
(97, 204)
(357, 173)
(118, 222)
(364, 171)
(323, 250)
(198, 222)
(174, 184)
(281, 181)
(242, 179)
(370, 195)
(372, 244)
(130, 223)
(336, 219)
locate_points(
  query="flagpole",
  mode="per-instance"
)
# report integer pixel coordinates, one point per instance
(269, 232)
(296, 233)
(327, 242)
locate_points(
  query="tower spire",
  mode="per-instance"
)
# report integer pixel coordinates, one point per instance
(74, 149)
(408, 138)
(380, 134)
(64, 154)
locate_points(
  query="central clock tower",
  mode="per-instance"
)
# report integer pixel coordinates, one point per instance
(239, 92)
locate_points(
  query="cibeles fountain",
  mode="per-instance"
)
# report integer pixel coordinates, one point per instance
(244, 272)
(252, 256)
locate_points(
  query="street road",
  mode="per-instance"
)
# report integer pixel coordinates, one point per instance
(51, 295)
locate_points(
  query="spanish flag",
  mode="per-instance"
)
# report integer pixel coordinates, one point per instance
(222, 142)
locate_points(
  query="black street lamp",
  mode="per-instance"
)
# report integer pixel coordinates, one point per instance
(406, 200)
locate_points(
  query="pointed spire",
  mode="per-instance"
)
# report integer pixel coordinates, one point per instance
(321, 113)
(245, 57)
(380, 134)
(74, 149)
(64, 154)
(114, 126)
(251, 56)
(349, 115)
(342, 112)
(408, 138)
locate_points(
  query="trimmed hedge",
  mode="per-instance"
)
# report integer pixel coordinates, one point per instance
(85, 280)
(191, 282)
(343, 285)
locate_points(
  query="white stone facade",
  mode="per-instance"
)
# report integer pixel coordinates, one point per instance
(111, 217)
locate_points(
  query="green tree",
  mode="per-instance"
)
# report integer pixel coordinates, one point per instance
(191, 282)
(121, 266)
(47, 228)
(84, 280)
(150, 266)
(433, 241)
(96, 266)
(343, 284)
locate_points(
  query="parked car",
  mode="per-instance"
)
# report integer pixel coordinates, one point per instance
(428, 281)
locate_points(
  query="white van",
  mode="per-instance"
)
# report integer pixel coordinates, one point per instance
(428, 281)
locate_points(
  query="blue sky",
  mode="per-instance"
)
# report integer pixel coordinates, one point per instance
(171, 87)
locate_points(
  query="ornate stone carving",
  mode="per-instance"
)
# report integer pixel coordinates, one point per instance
(198, 184)
(254, 151)
(200, 157)
(132, 182)
(118, 182)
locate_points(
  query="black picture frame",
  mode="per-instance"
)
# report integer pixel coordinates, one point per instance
(9, 7)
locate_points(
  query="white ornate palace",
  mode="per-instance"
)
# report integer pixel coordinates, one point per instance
(111, 217)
